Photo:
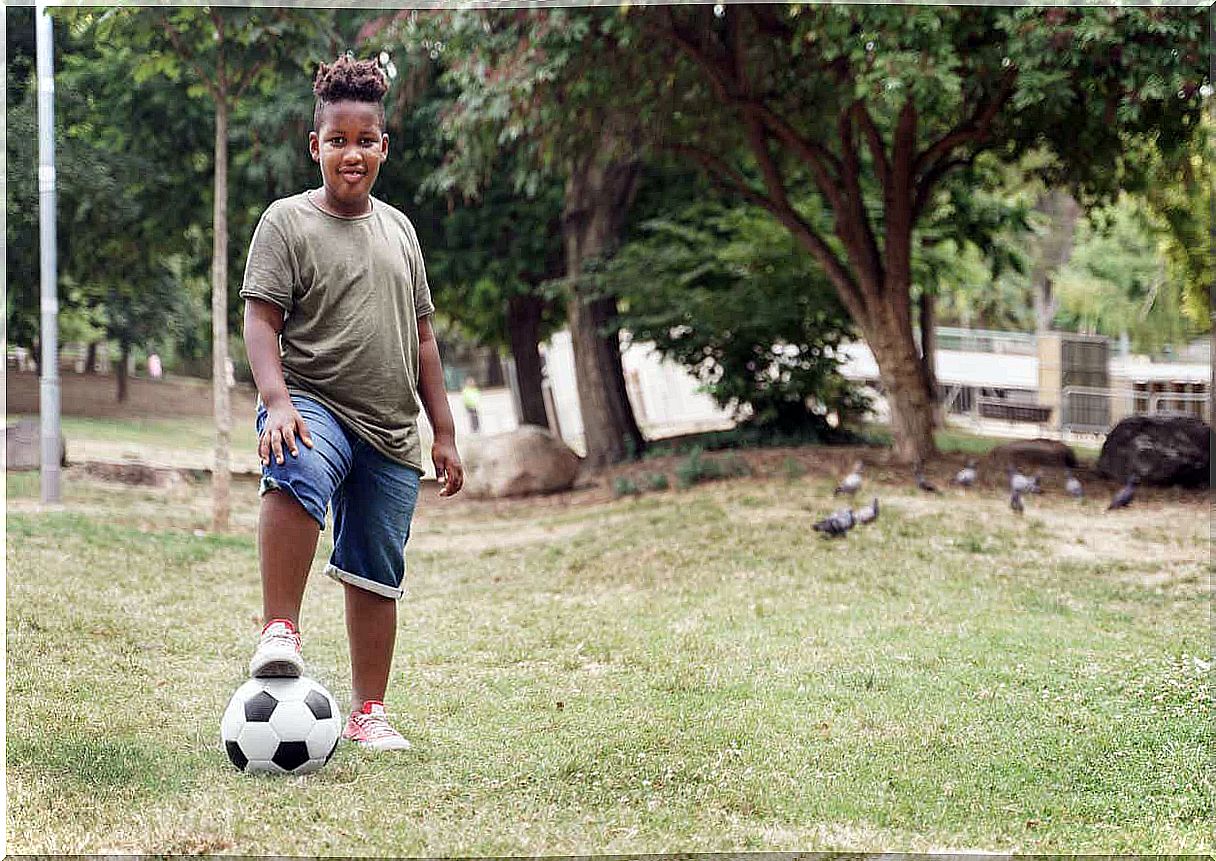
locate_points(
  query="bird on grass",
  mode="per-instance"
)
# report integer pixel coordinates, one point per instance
(837, 523)
(1020, 483)
(924, 483)
(851, 483)
(1072, 486)
(867, 513)
(1015, 502)
(966, 476)
(1124, 497)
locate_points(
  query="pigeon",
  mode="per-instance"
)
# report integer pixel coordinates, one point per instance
(851, 483)
(837, 523)
(1123, 498)
(923, 483)
(1073, 486)
(1015, 502)
(1019, 483)
(867, 513)
(967, 475)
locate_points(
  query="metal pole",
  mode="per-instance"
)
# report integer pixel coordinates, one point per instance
(49, 403)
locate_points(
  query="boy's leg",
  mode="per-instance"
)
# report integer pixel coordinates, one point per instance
(371, 627)
(287, 541)
(373, 511)
(295, 495)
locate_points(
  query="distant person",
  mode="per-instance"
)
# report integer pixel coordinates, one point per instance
(471, 396)
(338, 333)
(155, 370)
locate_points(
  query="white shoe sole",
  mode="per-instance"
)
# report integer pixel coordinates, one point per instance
(381, 746)
(276, 663)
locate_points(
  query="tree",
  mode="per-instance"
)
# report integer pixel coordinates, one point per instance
(519, 93)
(490, 258)
(224, 53)
(727, 292)
(874, 107)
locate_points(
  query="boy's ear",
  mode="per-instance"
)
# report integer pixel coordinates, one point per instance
(314, 146)
(384, 146)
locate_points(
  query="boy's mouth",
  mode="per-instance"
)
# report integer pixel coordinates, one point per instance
(352, 174)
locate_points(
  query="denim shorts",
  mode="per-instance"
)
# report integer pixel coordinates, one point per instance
(372, 498)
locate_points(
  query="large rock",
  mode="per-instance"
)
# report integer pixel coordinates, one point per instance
(517, 463)
(1034, 452)
(1162, 450)
(23, 446)
(134, 472)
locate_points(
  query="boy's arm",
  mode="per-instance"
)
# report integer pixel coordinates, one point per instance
(263, 322)
(448, 468)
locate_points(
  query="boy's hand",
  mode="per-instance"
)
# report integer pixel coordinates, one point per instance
(448, 468)
(283, 424)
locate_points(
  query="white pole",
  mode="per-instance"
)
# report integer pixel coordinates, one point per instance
(49, 404)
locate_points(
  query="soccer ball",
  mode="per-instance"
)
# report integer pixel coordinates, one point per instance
(281, 726)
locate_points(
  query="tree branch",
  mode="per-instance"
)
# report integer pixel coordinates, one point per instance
(733, 180)
(179, 45)
(973, 128)
(882, 166)
(852, 222)
(248, 77)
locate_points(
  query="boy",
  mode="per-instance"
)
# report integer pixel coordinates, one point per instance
(339, 338)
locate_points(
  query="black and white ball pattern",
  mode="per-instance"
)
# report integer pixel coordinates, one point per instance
(281, 726)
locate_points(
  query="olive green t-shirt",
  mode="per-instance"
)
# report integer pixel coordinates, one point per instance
(351, 291)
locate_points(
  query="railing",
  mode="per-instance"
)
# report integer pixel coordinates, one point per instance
(1157, 399)
(986, 341)
(1013, 411)
(1089, 409)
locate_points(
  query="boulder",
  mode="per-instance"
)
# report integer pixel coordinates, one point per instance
(23, 446)
(1034, 452)
(524, 461)
(1162, 450)
(134, 472)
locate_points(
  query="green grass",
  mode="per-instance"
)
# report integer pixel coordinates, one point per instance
(188, 433)
(686, 671)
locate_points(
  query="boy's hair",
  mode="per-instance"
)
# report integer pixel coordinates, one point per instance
(348, 79)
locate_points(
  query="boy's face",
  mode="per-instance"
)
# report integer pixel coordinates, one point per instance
(350, 146)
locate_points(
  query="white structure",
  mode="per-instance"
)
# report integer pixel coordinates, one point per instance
(668, 400)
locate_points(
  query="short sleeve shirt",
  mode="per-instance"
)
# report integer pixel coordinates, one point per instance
(351, 291)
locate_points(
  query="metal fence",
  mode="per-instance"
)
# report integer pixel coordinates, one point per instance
(1089, 409)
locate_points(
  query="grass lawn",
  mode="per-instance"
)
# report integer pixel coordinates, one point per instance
(689, 670)
(195, 434)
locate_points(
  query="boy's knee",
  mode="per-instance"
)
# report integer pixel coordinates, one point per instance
(282, 498)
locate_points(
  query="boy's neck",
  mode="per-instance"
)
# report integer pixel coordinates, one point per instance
(322, 199)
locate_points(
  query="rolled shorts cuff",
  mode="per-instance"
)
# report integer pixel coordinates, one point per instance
(270, 483)
(373, 586)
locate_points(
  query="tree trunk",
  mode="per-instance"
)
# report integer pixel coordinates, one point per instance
(90, 358)
(220, 477)
(598, 194)
(903, 378)
(124, 359)
(523, 324)
(1055, 250)
(927, 305)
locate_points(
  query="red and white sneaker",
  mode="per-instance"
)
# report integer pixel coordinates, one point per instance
(278, 652)
(369, 728)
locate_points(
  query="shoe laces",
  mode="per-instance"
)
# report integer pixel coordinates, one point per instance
(374, 723)
(281, 631)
